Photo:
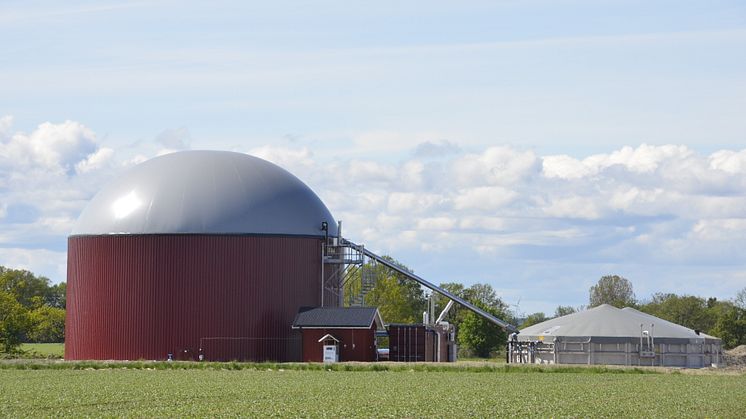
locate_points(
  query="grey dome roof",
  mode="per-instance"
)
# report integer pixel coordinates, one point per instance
(609, 322)
(206, 192)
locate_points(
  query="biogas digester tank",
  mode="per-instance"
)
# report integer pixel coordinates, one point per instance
(195, 253)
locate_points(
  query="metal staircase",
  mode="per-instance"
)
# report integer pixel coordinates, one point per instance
(367, 283)
(348, 275)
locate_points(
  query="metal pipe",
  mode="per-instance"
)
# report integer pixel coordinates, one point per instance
(554, 350)
(640, 338)
(444, 312)
(652, 340)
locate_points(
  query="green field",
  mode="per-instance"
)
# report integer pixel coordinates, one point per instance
(44, 350)
(269, 391)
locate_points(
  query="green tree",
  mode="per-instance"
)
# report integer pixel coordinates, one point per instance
(398, 298)
(57, 296)
(485, 294)
(29, 290)
(475, 333)
(47, 325)
(43, 314)
(731, 327)
(14, 322)
(479, 335)
(613, 290)
(456, 313)
(740, 300)
(564, 311)
(533, 319)
(687, 310)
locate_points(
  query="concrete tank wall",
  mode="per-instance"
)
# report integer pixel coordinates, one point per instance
(684, 355)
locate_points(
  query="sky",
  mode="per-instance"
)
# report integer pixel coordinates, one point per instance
(532, 145)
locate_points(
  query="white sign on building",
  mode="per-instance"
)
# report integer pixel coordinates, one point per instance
(330, 353)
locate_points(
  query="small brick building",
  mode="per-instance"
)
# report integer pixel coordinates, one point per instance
(354, 328)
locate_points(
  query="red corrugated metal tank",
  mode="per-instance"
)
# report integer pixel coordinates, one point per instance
(193, 253)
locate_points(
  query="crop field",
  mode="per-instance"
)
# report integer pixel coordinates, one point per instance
(274, 391)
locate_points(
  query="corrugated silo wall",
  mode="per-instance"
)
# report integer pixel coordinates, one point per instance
(411, 343)
(145, 296)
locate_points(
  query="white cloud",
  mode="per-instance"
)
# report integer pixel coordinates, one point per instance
(495, 166)
(637, 201)
(564, 167)
(718, 230)
(436, 223)
(369, 172)
(413, 202)
(46, 178)
(135, 160)
(54, 148)
(412, 175)
(643, 159)
(483, 223)
(574, 207)
(500, 206)
(95, 160)
(676, 162)
(486, 198)
(729, 161)
(619, 204)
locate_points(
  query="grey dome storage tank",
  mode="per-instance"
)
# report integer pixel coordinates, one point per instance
(196, 252)
(608, 335)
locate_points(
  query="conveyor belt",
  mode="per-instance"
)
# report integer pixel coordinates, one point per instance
(505, 325)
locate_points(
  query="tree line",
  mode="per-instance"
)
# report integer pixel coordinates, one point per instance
(31, 309)
(401, 300)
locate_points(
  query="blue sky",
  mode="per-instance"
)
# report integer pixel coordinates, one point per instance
(534, 145)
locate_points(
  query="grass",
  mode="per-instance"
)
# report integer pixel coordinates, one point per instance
(44, 350)
(282, 390)
(466, 366)
(499, 359)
